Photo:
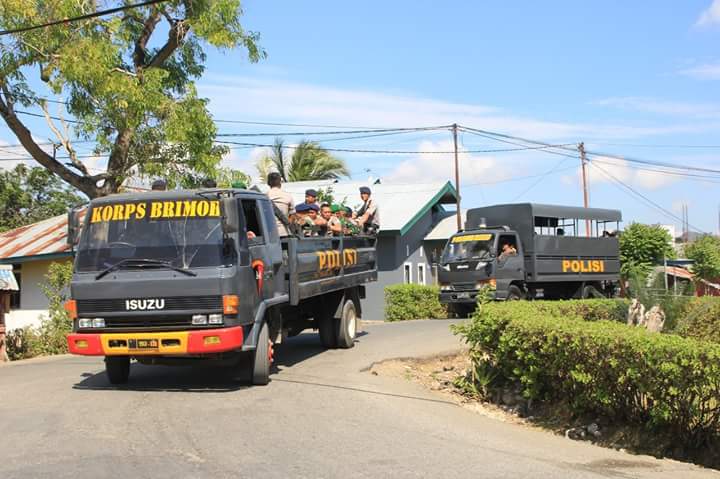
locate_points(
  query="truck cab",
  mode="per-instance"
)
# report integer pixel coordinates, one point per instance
(475, 258)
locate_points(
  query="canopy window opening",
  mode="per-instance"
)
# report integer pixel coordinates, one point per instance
(577, 227)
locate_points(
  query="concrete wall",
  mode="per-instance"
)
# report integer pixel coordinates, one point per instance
(394, 251)
(33, 302)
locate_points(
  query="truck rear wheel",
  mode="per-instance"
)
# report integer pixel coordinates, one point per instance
(347, 326)
(514, 293)
(327, 327)
(260, 368)
(117, 369)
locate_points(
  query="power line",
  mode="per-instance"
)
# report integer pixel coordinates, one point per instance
(542, 177)
(647, 145)
(697, 177)
(391, 152)
(88, 16)
(305, 133)
(632, 190)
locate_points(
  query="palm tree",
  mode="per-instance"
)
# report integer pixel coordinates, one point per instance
(308, 161)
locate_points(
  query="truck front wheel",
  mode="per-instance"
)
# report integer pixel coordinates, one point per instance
(260, 370)
(117, 369)
(347, 326)
(514, 293)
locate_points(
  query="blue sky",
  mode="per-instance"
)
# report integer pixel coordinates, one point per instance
(624, 77)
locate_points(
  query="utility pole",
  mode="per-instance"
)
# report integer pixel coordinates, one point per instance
(586, 201)
(457, 177)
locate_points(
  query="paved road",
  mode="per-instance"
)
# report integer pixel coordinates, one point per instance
(321, 416)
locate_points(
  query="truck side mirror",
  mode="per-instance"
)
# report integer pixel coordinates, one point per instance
(229, 212)
(73, 228)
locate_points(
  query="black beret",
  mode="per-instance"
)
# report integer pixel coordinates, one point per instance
(365, 189)
(302, 207)
(311, 192)
(159, 184)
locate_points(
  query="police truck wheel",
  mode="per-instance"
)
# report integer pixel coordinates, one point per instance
(514, 293)
(327, 328)
(117, 369)
(347, 326)
(260, 368)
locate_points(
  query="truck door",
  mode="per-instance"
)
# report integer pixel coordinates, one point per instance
(510, 262)
(259, 239)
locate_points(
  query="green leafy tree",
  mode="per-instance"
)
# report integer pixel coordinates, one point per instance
(29, 194)
(126, 79)
(227, 177)
(705, 252)
(641, 247)
(309, 161)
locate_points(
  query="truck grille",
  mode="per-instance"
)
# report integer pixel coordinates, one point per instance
(464, 286)
(180, 303)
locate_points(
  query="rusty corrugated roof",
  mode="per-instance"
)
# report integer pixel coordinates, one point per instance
(42, 238)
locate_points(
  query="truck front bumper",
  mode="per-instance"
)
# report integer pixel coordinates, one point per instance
(156, 344)
(463, 297)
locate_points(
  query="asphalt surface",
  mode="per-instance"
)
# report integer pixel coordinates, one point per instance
(323, 415)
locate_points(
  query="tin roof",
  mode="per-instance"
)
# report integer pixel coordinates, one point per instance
(7, 278)
(42, 239)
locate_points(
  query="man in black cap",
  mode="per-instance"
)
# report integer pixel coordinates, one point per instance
(159, 185)
(368, 216)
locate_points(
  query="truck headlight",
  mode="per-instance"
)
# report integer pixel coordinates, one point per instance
(445, 267)
(215, 318)
(198, 319)
(446, 287)
(480, 265)
(98, 323)
(85, 323)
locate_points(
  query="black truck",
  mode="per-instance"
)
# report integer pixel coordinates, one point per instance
(530, 250)
(196, 275)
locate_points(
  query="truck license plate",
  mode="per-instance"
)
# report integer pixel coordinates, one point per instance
(463, 295)
(143, 344)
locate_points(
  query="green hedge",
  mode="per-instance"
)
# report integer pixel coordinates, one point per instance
(700, 319)
(665, 382)
(413, 301)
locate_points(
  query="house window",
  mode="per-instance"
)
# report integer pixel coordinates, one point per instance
(407, 271)
(15, 295)
(421, 273)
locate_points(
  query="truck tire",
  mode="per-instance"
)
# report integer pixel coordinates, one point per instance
(327, 328)
(347, 326)
(260, 367)
(514, 293)
(117, 369)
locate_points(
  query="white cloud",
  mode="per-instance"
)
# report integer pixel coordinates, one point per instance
(710, 16)
(662, 107)
(441, 167)
(605, 169)
(243, 98)
(707, 71)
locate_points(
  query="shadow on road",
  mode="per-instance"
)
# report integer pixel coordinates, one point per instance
(199, 378)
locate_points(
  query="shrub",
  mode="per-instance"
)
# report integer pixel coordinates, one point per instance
(700, 319)
(662, 381)
(413, 301)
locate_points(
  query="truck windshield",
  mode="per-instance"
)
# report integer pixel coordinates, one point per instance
(467, 247)
(181, 234)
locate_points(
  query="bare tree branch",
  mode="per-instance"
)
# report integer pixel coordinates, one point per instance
(83, 183)
(141, 43)
(64, 139)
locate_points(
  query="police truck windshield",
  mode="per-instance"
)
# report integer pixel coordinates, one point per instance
(182, 234)
(468, 247)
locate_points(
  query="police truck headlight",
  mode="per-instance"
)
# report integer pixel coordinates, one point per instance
(480, 265)
(445, 267)
(85, 323)
(199, 319)
(215, 318)
(446, 287)
(98, 323)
